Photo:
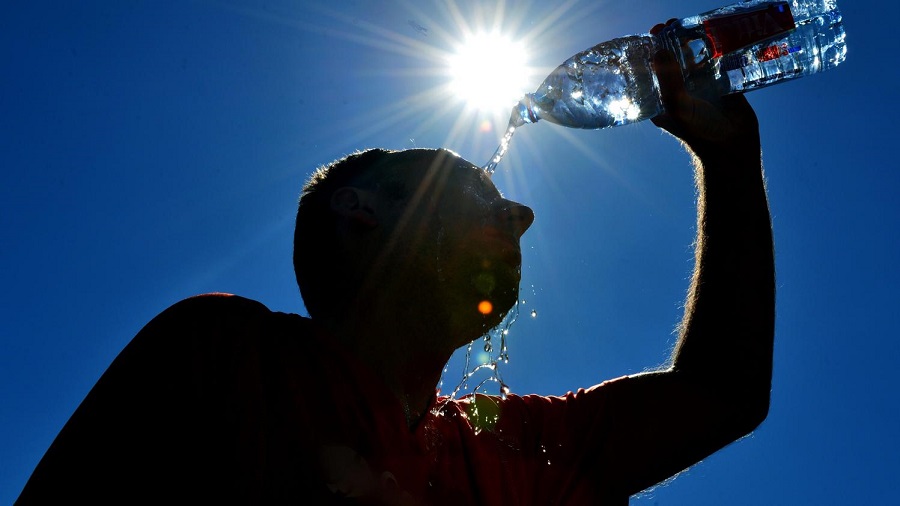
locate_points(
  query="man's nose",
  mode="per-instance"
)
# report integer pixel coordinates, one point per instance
(516, 216)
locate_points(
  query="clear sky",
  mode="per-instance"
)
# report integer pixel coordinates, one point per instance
(155, 150)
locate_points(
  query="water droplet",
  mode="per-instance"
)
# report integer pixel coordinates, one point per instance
(534, 313)
(479, 362)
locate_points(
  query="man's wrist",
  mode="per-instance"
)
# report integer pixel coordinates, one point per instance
(740, 154)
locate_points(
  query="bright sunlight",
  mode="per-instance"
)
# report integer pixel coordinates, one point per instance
(488, 70)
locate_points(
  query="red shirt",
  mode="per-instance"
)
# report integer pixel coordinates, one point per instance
(219, 399)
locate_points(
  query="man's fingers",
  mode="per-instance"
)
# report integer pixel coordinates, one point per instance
(659, 26)
(671, 83)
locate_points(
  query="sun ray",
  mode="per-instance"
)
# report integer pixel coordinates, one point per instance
(428, 52)
(555, 21)
(459, 21)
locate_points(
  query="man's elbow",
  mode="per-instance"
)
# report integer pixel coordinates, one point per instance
(752, 412)
(744, 408)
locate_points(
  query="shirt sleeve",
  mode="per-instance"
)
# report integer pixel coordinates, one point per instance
(560, 440)
(158, 426)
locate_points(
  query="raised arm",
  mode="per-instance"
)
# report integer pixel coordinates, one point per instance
(717, 387)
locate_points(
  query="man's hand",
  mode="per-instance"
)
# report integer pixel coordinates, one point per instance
(728, 123)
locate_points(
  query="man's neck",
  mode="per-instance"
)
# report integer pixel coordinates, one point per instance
(408, 364)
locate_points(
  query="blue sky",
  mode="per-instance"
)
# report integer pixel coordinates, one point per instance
(155, 150)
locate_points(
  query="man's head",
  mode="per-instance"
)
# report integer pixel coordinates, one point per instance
(407, 231)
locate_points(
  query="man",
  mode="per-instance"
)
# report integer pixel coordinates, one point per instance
(401, 257)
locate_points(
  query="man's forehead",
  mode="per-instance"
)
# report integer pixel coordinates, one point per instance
(448, 164)
(434, 169)
(403, 174)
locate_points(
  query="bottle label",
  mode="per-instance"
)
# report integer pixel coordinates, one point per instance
(738, 60)
(776, 51)
(731, 32)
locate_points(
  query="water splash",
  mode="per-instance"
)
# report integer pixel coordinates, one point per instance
(495, 357)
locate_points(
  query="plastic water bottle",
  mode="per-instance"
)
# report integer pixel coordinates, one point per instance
(738, 48)
(742, 47)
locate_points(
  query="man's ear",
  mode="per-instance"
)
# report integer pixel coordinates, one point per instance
(356, 205)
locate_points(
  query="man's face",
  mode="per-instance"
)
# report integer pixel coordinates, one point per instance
(462, 237)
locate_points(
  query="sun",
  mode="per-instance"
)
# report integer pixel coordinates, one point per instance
(488, 71)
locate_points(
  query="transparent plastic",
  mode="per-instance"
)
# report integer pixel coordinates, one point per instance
(738, 48)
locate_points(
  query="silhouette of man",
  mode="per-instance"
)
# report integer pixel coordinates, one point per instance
(219, 400)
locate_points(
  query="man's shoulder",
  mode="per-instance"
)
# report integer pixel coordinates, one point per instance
(225, 306)
(221, 316)
(218, 302)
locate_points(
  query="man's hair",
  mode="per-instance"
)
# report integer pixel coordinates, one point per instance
(321, 277)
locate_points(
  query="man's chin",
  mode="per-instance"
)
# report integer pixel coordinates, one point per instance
(478, 324)
(494, 307)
